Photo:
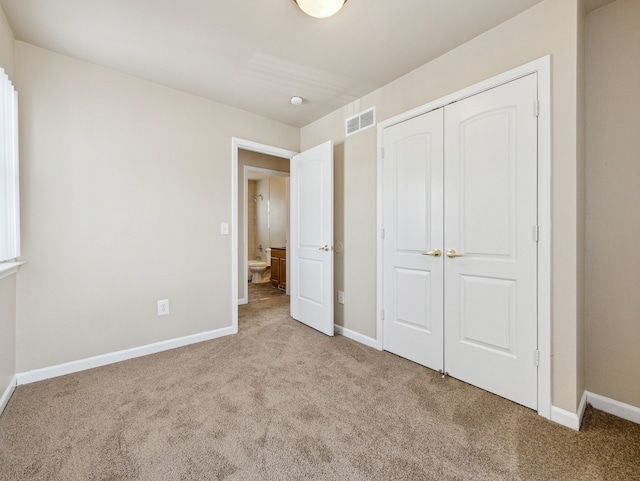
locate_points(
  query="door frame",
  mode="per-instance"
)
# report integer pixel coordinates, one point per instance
(542, 67)
(236, 145)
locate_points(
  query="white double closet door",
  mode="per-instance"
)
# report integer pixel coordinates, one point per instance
(459, 196)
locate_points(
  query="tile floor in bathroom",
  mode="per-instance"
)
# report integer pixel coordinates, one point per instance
(263, 290)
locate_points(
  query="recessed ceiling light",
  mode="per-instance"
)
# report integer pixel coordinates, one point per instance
(295, 100)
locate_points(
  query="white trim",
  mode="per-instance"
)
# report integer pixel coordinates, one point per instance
(582, 407)
(4, 400)
(611, 406)
(9, 268)
(355, 336)
(118, 356)
(542, 67)
(379, 227)
(237, 144)
(567, 418)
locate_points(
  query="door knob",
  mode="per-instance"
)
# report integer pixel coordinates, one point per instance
(326, 248)
(434, 253)
(453, 253)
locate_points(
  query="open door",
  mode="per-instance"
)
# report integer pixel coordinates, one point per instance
(311, 247)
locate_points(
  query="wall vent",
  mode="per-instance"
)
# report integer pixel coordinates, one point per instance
(362, 121)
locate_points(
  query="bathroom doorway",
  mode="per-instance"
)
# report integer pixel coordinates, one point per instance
(263, 224)
(267, 231)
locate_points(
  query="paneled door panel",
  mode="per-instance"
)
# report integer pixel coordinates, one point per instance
(489, 326)
(490, 217)
(311, 250)
(413, 223)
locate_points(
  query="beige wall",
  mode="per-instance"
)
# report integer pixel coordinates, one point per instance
(7, 331)
(7, 60)
(8, 284)
(125, 184)
(613, 196)
(554, 26)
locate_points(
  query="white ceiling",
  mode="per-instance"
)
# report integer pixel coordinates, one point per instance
(256, 54)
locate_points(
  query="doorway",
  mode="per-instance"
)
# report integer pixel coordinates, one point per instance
(239, 268)
(311, 193)
(264, 223)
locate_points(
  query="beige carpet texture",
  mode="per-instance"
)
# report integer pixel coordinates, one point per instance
(280, 401)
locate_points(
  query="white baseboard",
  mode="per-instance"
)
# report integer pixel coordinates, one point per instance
(356, 336)
(611, 406)
(118, 356)
(4, 400)
(567, 418)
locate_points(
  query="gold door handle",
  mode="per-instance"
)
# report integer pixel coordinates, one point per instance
(434, 253)
(326, 248)
(453, 253)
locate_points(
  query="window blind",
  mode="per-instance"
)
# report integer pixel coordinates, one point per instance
(9, 171)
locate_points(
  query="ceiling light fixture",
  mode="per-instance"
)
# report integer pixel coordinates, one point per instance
(320, 8)
(295, 100)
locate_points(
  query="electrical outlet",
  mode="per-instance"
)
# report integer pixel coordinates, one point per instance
(340, 297)
(163, 307)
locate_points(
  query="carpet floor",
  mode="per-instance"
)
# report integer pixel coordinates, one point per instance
(279, 401)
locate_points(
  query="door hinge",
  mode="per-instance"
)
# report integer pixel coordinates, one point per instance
(382, 314)
(382, 152)
(536, 233)
(536, 358)
(382, 234)
(537, 108)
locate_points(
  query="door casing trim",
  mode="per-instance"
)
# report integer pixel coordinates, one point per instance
(542, 67)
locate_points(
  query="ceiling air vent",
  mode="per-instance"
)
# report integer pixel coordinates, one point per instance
(362, 121)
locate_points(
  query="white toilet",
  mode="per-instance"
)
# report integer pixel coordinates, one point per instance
(258, 268)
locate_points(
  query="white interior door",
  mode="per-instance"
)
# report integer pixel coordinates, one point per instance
(413, 241)
(311, 248)
(490, 218)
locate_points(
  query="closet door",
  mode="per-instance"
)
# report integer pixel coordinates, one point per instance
(413, 239)
(490, 244)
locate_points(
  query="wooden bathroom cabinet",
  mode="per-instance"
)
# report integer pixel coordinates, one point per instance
(279, 268)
